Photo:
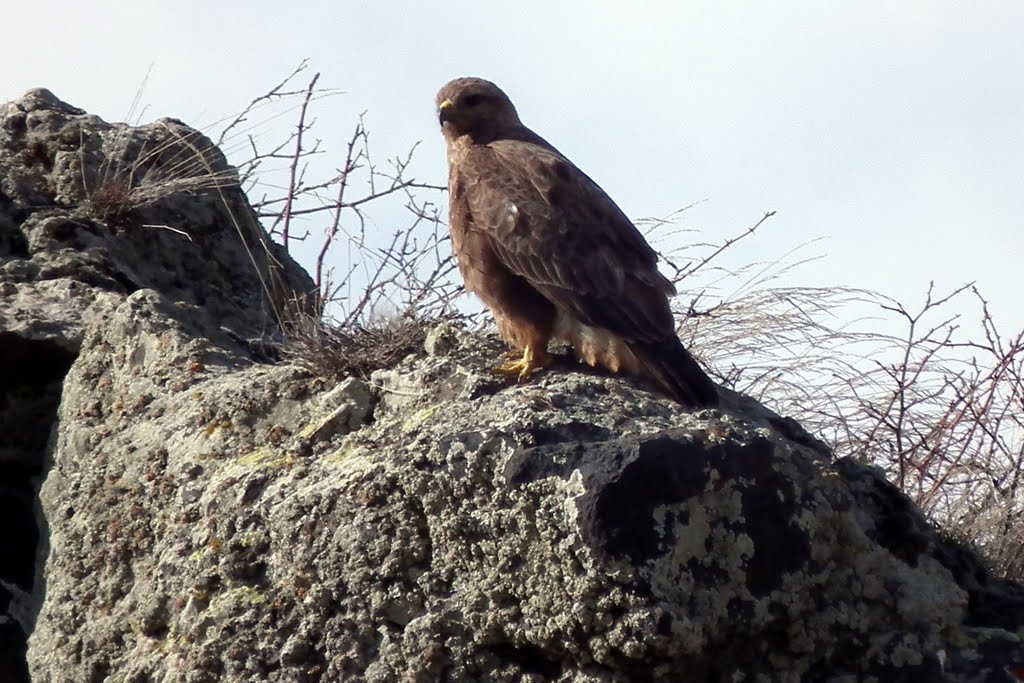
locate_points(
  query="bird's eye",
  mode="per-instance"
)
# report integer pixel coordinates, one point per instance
(472, 100)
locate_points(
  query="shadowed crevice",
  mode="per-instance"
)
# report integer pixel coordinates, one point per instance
(31, 377)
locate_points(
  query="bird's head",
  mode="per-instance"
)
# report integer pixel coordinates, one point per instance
(475, 107)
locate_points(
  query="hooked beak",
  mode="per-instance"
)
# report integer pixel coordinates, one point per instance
(444, 111)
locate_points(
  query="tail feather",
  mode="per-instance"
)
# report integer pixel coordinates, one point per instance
(676, 371)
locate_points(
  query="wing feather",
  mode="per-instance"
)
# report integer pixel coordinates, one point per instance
(551, 224)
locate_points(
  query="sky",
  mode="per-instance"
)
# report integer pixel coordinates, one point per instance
(891, 133)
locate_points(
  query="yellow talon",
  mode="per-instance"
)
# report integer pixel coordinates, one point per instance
(532, 361)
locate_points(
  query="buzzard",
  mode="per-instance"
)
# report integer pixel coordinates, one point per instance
(551, 255)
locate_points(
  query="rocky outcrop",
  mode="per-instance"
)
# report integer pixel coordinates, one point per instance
(91, 214)
(212, 516)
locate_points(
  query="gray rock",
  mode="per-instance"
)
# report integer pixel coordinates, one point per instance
(213, 517)
(68, 263)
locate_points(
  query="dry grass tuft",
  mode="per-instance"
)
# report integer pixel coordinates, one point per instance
(355, 350)
(140, 167)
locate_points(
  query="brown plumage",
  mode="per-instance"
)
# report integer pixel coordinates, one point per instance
(550, 254)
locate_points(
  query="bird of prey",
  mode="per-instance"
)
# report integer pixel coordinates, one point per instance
(551, 255)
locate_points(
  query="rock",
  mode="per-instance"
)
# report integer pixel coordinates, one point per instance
(215, 517)
(349, 407)
(66, 267)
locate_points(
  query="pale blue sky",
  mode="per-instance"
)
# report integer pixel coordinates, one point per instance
(895, 130)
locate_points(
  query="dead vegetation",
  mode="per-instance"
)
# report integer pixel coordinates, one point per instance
(933, 394)
(356, 350)
(375, 309)
(138, 167)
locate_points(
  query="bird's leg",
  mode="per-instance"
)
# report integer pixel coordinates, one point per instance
(534, 358)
